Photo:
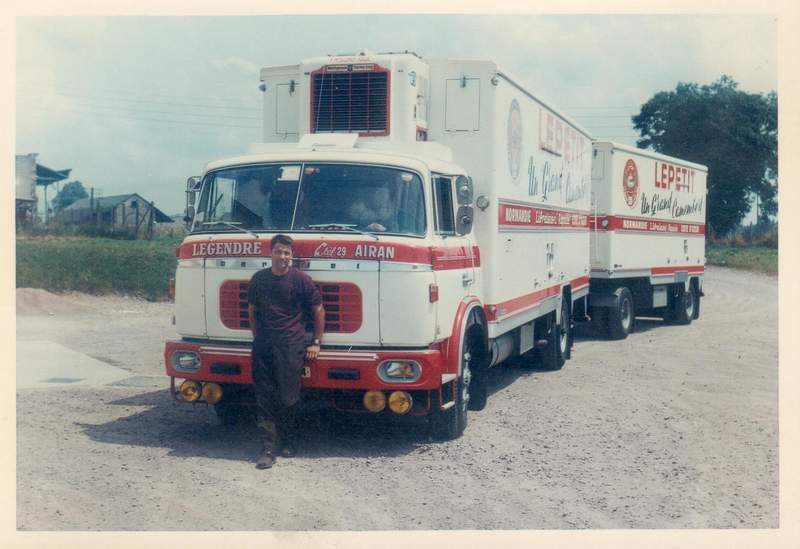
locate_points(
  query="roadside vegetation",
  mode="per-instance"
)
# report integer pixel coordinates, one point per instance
(751, 249)
(97, 265)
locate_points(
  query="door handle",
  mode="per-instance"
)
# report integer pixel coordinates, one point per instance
(466, 279)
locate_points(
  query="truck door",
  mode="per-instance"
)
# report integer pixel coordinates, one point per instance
(452, 254)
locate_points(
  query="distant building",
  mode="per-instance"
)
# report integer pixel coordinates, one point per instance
(129, 211)
(29, 174)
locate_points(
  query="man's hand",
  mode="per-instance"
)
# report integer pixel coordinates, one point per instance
(312, 351)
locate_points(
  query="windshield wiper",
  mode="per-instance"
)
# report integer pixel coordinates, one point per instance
(234, 224)
(343, 226)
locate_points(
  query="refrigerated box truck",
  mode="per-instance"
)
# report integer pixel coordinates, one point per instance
(442, 208)
(648, 237)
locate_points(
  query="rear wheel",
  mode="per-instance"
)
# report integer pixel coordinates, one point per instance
(621, 315)
(554, 354)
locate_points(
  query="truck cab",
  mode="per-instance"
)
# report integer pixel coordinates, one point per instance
(384, 235)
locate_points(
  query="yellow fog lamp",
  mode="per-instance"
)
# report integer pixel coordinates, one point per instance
(190, 390)
(212, 392)
(400, 402)
(374, 401)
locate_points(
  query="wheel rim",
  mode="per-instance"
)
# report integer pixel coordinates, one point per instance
(625, 314)
(466, 378)
(689, 304)
(562, 331)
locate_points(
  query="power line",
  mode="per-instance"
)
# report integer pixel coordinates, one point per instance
(45, 110)
(175, 113)
(117, 92)
(181, 103)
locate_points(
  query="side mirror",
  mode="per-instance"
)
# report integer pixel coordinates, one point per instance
(464, 190)
(192, 188)
(463, 220)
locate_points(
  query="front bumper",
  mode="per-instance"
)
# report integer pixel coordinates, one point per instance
(333, 369)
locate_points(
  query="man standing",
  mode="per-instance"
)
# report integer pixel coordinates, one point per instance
(278, 297)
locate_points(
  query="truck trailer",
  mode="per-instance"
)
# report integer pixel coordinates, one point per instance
(647, 238)
(443, 210)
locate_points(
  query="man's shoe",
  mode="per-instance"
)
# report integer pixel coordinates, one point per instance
(266, 461)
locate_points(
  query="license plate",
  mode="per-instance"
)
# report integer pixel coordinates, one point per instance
(306, 372)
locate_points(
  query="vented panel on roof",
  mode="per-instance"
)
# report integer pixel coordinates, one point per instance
(350, 102)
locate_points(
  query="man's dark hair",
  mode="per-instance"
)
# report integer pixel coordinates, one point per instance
(281, 239)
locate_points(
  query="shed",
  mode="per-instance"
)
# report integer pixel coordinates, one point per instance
(119, 211)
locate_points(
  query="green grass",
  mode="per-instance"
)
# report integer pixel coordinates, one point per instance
(760, 259)
(97, 265)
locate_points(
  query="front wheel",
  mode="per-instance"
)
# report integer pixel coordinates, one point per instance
(450, 424)
(621, 315)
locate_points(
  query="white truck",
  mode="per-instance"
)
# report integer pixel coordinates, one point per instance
(648, 237)
(442, 209)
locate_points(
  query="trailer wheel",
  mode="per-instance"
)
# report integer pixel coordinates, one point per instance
(683, 305)
(450, 424)
(621, 315)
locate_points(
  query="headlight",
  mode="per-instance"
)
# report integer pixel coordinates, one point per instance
(185, 361)
(399, 371)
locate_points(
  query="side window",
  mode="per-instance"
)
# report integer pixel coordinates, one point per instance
(443, 193)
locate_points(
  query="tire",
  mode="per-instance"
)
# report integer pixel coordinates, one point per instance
(553, 356)
(683, 306)
(229, 413)
(451, 423)
(621, 316)
(479, 369)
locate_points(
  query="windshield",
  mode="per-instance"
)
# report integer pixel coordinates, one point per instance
(286, 197)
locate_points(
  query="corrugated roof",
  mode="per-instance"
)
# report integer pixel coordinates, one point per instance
(100, 202)
(110, 202)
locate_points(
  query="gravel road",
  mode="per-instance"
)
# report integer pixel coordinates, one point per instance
(675, 427)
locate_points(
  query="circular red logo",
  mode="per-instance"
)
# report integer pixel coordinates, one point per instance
(630, 182)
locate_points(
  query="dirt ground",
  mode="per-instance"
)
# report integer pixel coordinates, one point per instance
(675, 427)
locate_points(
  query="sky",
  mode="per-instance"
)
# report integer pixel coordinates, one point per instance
(138, 104)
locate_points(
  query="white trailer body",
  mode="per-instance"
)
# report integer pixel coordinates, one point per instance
(648, 231)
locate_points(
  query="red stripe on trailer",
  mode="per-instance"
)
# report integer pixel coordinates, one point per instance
(669, 271)
(640, 224)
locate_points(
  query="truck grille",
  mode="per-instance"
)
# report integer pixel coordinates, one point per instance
(341, 300)
(354, 101)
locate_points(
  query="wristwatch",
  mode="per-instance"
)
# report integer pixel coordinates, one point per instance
(315, 341)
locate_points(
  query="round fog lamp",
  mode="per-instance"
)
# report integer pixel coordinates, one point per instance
(374, 401)
(399, 402)
(212, 392)
(190, 390)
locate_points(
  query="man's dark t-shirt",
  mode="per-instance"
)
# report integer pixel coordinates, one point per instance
(280, 302)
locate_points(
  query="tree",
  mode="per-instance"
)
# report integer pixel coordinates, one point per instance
(69, 193)
(732, 132)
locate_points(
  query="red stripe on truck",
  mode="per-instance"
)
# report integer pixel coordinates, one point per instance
(439, 257)
(522, 216)
(516, 305)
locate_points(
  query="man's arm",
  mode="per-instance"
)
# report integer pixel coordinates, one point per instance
(319, 326)
(251, 314)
